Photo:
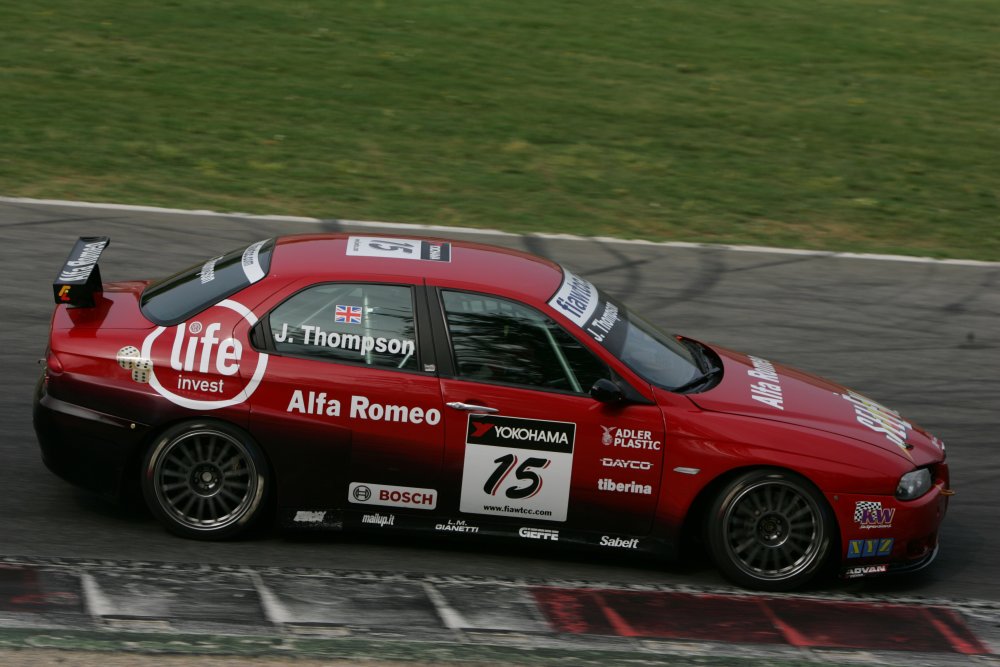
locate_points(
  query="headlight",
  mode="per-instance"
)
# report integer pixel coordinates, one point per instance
(913, 484)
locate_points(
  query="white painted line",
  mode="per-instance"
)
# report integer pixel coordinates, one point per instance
(274, 609)
(98, 604)
(451, 618)
(496, 232)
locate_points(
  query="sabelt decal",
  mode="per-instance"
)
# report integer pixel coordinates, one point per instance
(517, 467)
(202, 371)
(377, 246)
(365, 493)
(620, 542)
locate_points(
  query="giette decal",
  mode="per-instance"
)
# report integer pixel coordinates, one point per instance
(539, 534)
(200, 361)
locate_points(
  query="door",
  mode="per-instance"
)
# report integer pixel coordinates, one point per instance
(351, 416)
(524, 436)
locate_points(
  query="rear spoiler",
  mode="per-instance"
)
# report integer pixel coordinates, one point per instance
(80, 278)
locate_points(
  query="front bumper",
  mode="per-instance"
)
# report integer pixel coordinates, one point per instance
(88, 448)
(883, 535)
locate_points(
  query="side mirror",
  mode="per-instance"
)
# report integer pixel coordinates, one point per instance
(606, 391)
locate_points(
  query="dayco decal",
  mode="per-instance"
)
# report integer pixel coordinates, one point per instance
(380, 520)
(457, 526)
(316, 403)
(364, 493)
(620, 542)
(626, 463)
(606, 484)
(200, 360)
(524, 433)
(871, 514)
(629, 438)
(539, 534)
(313, 335)
(879, 419)
(768, 388)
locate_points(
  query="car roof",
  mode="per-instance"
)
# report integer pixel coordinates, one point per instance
(471, 265)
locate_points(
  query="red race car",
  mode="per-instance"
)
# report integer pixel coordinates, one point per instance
(420, 384)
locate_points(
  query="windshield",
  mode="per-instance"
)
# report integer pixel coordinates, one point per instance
(188, 292)
(658, 357)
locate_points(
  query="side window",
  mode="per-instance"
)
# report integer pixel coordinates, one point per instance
(360, 323)
(495, 340)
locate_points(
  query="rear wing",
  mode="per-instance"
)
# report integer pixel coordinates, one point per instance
(80, 278)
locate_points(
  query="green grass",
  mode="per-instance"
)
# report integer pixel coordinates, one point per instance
(870, 125)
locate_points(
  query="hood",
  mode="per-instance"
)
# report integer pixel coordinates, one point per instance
(755, 387)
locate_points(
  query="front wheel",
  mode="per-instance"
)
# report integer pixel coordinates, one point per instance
(205, 480)
(770, 530)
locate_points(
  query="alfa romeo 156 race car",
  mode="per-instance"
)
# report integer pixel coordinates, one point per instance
(414, 384)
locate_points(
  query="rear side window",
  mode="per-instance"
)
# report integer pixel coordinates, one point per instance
(361, 323)
(187, 293)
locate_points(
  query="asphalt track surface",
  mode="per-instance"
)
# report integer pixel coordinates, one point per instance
(921, 337)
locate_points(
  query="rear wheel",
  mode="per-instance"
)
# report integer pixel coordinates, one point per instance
(205, 480)
(770, 530)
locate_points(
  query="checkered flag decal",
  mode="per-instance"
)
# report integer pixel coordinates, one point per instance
(861, 506)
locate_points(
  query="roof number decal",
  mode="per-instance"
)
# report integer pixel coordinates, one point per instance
(377, 246)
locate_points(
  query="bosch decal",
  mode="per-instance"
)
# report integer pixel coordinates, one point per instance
(526, 463)
(364, 493)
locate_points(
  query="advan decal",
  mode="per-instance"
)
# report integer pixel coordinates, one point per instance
(196, 364)
(517, 467)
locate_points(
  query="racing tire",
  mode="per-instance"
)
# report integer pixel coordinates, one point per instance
(205, 480)
(770, 530)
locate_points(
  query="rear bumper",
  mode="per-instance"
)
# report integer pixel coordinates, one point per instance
(85, 447)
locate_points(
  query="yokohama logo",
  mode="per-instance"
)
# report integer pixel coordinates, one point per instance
(524, 433)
